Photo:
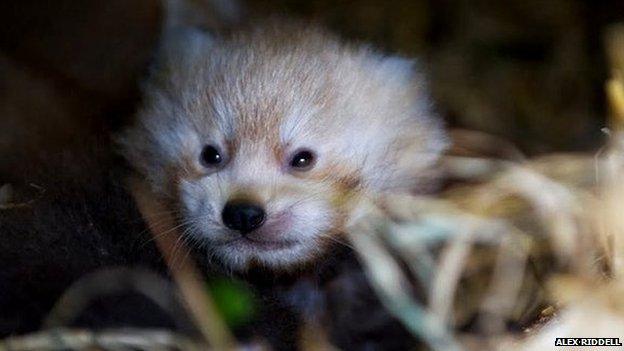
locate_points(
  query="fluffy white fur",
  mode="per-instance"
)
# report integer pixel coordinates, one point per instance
(260, 95)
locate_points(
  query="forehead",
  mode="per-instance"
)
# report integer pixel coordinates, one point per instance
(282, 95)
(271, 101)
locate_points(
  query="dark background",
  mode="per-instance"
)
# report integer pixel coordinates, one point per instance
(531, 71)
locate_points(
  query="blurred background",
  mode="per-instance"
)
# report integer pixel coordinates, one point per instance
(530, 71)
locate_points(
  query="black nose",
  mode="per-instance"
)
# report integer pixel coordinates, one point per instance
(242, 216)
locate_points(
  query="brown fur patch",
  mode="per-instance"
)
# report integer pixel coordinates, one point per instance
(190, 167)
(245, 195)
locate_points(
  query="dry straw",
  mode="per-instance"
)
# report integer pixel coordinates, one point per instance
(536, 243)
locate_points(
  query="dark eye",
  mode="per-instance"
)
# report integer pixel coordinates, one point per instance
(210, 156)
(303, 160)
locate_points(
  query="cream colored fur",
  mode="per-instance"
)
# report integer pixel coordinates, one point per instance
(260, 95)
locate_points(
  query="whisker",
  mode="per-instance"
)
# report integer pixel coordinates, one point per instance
(159, 235)
(336, 240)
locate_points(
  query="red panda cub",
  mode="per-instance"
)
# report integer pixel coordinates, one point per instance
(264, 141)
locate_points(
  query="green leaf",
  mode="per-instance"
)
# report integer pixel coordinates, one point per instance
(234, 300)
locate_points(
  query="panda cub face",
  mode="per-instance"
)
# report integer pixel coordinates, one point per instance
(263, 142)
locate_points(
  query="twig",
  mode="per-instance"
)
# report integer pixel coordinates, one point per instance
(184, 272)
(78, 339)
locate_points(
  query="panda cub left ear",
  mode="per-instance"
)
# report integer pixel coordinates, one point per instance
(183, 45)
(187, 25)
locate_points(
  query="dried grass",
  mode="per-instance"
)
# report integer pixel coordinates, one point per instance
(537, 242)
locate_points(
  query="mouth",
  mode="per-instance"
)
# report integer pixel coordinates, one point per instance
(264, 245)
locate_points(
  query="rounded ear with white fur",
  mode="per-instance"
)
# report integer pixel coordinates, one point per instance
(183, 45)
(187, 26)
